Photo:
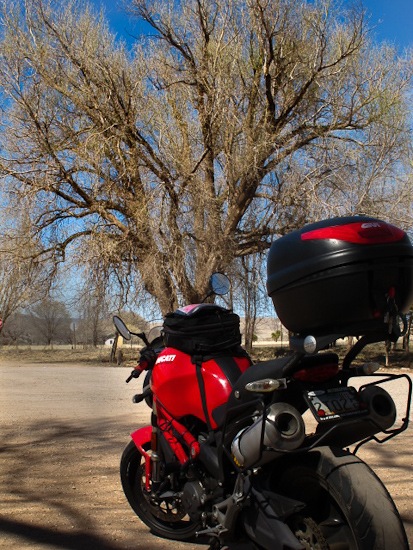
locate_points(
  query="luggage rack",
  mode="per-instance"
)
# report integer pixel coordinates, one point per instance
(311, 344)
(389, 434)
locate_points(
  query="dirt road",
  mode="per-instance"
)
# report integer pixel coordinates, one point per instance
(63, 428)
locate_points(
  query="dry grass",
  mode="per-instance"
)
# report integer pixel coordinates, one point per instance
(398, 358)
(101, 355)
(57, 354)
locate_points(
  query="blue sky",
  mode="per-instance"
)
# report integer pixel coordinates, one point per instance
(392, 20)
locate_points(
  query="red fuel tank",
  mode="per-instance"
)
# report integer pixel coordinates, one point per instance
(175, 383)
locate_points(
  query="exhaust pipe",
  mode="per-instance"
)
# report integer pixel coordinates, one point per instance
(380, 417)
(380, 404)
(284, 430)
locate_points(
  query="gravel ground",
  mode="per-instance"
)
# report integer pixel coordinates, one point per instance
(63, 429)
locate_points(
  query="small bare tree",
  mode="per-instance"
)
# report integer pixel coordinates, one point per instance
(51, 321)
(24, 279)
(233, 122)
(249, 290)
(93, 308)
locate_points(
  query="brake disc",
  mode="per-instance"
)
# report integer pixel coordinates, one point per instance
(310, 535)
(166, 506)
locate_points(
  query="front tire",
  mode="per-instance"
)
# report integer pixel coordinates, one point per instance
(165, 516)
(347, 506)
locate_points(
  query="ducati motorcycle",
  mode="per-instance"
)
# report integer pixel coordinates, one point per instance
(230, 456)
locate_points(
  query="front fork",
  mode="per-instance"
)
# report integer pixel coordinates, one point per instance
(183, 445)
(146, 440)
(155, 458)
(143, 441)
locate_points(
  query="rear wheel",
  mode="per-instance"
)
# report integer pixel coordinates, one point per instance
(346, 505)
(163, 513)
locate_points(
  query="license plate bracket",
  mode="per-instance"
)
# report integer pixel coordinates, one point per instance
(334, 403)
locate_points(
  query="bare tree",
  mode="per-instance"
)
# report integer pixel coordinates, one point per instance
(23, 278)
(19, 329)
(233, 122)
(51, 321)
(93, 308)
(249, 293)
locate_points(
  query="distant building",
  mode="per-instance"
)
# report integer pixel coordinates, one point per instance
(109, 342)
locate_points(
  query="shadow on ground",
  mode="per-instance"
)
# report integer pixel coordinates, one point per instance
(60, 488)
(43, 535)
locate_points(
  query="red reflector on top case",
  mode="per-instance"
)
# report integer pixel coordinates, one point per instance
(358, 233)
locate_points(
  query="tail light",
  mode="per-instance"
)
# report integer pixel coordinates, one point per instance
(367, 232)
(319, 373)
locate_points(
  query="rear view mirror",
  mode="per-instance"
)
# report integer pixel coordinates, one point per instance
(121, 328)
(219, 284)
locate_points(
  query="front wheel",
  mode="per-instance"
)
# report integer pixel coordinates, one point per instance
(163, 513)
(346, 505)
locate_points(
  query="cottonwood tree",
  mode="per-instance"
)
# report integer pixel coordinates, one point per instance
(231, 122)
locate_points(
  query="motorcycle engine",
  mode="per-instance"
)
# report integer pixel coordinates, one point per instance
(193, 498)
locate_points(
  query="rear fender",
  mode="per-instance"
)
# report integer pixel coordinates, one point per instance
(142, 438)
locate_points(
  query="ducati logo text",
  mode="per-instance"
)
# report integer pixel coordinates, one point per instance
(165, 359)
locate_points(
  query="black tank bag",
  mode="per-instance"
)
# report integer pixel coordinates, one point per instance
(203, 329)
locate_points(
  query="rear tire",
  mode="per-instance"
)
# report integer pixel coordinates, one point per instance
(347, 506)
(165, 517)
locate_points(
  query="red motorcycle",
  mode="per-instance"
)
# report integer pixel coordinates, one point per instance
(227, 456)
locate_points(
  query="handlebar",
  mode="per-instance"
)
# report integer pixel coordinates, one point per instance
(134, 374)
(146, 362)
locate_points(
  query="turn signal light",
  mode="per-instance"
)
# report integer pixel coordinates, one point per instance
(266, 385)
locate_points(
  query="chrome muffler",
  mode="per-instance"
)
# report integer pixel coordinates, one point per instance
(281, 429)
